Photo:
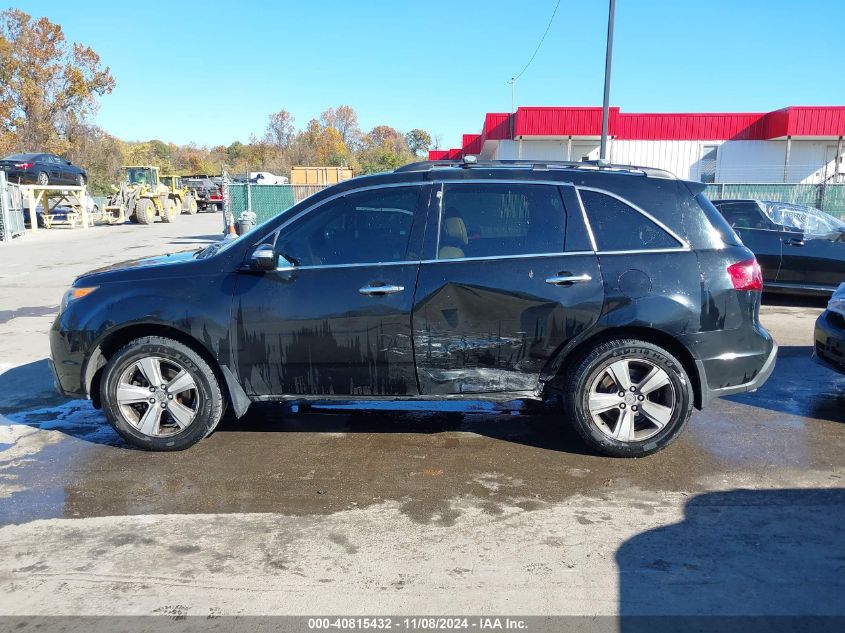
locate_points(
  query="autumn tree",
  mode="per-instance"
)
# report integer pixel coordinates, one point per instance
(419, 141)
(345, 120)
(44, 82)
(280, 129)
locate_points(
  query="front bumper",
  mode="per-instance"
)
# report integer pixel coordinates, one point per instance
(829, 341)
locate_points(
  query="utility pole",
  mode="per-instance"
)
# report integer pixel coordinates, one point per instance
(605, 110)
(512, 82)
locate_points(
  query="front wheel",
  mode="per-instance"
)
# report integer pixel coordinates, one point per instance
(170, 211)
(628, 398)
(160, 395)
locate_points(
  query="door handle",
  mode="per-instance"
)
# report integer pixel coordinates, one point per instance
(565, 279)
(377, 291)
(794, 241)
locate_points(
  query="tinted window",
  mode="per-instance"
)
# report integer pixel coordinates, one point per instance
(619, 227)
(487, 220)
(370, 226)
(744, 215)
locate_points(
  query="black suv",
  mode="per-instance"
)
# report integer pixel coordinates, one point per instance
(621, 289)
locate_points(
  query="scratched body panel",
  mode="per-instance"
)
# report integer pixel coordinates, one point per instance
(492, 326)
(312, 332)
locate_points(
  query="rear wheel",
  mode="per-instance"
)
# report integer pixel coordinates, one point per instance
(145, 211)
(628, 398)
(160, 395)
(170, 211)
(80, 180)
(42, 178)
(190, 206)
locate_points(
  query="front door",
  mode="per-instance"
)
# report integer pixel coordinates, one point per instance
(338, 320)
(510, 278)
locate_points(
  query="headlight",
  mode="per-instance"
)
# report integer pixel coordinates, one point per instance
(75, 293)
(837, 305)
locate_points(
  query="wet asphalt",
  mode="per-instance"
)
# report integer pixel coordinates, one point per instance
(60, 460)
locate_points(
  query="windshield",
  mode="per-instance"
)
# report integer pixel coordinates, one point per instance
(140, 176)
(798, 217)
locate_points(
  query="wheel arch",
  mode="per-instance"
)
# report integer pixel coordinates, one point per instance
(117, 338)
(570, 356)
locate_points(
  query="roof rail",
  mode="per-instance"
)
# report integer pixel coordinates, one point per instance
(599, 165)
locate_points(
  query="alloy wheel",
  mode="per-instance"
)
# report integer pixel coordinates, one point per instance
(631, 400)
(158, 396)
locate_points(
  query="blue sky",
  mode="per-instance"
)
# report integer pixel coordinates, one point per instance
(441, 65)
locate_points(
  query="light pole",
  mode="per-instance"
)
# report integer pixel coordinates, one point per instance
(605, 110)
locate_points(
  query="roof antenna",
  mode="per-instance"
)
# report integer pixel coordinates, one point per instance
(469, 160)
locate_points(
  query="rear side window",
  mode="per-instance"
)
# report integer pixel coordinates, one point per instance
(497, 220)
(721, 223)
(617, 226)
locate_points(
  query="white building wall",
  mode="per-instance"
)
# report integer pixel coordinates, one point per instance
(810, 161)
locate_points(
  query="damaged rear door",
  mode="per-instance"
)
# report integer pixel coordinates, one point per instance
(511, 275)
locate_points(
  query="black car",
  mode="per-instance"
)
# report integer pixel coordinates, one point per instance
(621, 289)
(207, 193)
(800, 249)
(829, 343)
(42, 169)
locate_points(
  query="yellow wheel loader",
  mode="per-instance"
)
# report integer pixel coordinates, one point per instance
(141, 197)
(185, 201)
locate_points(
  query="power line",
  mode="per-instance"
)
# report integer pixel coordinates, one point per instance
(536, 50)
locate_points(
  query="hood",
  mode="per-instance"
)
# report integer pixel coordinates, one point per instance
(139, 268)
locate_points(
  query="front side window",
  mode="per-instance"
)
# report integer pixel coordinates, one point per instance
(498, 220)
(364, 227)
(617, 226)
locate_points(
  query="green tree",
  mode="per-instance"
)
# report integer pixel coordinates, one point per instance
(45, 83)
(419, 141)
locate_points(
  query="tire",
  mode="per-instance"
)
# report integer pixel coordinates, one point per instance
(145, 211)
(42, 179)
(191, 413)
(81, 180)
(190, 206)
(170, 213)
(653, 410)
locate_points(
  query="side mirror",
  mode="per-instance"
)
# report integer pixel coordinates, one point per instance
(264, 258)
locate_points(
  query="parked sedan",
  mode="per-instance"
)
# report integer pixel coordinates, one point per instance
(42, 169)
(829, 348)
(800, 249)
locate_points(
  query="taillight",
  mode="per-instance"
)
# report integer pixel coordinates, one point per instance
(23, 165)
(746, 275)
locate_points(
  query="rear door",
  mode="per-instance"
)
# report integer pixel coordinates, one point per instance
(52, 165)
(509, 277)
(757, 232)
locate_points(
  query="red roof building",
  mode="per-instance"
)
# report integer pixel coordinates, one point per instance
(797, 144)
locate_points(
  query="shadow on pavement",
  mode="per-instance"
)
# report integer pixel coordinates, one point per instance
(800, 386)
(774, 552)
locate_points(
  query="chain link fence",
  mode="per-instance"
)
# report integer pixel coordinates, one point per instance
(827, 197)
(267, 201)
